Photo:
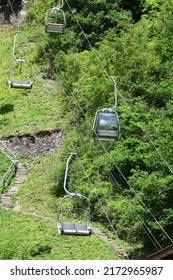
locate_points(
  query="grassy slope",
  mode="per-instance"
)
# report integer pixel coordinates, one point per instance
(27, 237)
(32, 233)
(25, 111)
(22, 235)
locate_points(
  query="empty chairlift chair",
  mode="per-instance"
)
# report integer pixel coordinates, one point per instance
(20, 74)
(106, 125)
(55, 21)
(74, 212)
(70, 214)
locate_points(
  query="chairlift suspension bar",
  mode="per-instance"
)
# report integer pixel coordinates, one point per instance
(14, 45)
(65, 178)
(62, 4)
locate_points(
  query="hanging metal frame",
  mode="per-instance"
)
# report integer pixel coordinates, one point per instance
(51, 27)
(109, 131)
(23, 84)
(73, 228)
(15, 83)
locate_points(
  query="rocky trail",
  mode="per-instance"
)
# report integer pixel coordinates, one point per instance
(115, 247)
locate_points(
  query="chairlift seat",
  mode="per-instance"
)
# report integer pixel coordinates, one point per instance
(54, 28)
(73, 229)
(20, 84)
(107, 135)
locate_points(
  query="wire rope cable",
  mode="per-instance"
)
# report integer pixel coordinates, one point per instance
(11, 6)
(142, 129)
(130, 186)
(81, 108)
(73, 148)
(148, 229)
(90, 45)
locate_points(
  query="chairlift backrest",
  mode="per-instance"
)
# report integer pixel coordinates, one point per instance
(74, 229)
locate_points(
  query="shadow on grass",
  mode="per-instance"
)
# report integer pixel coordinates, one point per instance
(6, 109)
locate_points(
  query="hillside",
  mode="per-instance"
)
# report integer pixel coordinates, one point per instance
(128, 182)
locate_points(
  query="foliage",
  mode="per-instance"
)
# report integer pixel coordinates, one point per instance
(6, 8)
(32, 238)
(130, 180)
(5, 164)
(143, 155)
(86, 21)
(32, 233)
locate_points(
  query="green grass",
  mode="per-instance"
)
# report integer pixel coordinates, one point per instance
(25, 236)
(32, 232)
(4, 165)
(22, 110)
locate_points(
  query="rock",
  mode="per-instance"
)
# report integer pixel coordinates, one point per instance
(31, 146)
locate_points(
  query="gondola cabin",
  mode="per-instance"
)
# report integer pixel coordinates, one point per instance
(106, 125)
(20, 74)
(55, 21)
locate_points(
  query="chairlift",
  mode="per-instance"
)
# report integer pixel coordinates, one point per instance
(55, 21)
(106, 124)
(81, 205)
(83, 210)
(20, 83)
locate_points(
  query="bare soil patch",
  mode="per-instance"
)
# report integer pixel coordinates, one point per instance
(31, 146)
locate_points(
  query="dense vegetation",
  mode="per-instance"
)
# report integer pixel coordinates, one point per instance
(5, 164)
(131, 177)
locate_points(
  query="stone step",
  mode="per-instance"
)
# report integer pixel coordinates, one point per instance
(119, 251)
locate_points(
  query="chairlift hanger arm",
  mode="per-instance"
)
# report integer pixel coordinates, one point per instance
(66, 174)
(14, 44)
(62, 4)
(57, 7)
